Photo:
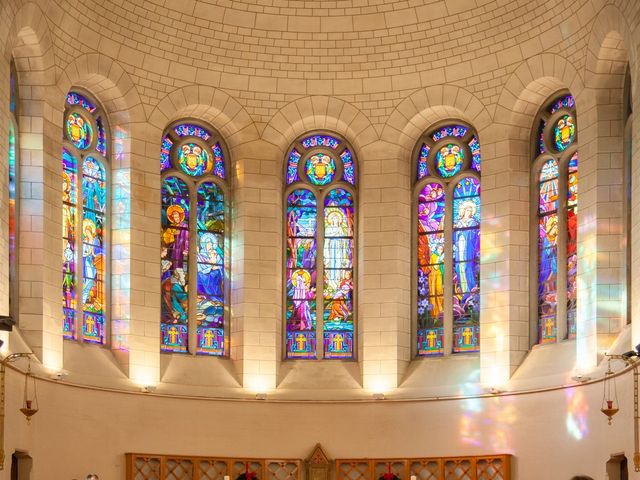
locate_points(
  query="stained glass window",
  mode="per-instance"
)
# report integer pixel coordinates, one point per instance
(557, 223)
(194, 242)
(320, 228)
(13, 188)
(84, 214)
(448, 240)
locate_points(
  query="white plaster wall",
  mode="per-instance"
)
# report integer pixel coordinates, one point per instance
(79, 430)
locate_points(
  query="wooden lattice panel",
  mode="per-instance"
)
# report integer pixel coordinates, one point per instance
(458, 469)
(211, 469)
(243, 466)
(144, 468)
(444, 468)
(426, 469)
(491, 468)
(173, 467)
(282, 470)
(353, 470)
(398, 467)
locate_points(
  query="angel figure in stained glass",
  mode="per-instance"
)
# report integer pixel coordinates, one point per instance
(339, 310)
(302, 292)
(93, 262)
(66, 188)
(337, 251)
(210, 272)
(548, 259)
(77, 130)
(436, 274)
(466, 244)
(565, 130)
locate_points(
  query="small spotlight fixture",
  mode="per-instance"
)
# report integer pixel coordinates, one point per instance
(59, 375)
(261, 396)
(493, 390)
(580, 378)
(148, 388)
(379, 396)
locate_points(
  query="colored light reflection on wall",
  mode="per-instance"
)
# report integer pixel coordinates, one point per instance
(486, 422)
(577, 410)
(121, 237)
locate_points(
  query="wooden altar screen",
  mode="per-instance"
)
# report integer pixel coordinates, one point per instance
(486, 467)
(176, 467)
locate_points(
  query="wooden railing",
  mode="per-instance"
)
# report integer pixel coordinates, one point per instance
(489, 467)
(175, 467)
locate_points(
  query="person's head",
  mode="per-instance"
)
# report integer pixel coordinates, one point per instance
(581, 477)
(92, 476)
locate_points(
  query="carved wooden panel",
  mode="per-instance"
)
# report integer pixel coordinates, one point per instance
(177, 467)
(489, 467)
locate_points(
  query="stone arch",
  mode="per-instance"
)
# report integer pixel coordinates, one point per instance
(610, 50)
(319, 112)
(108, 82)
(209, 104)
(610, 47)
(533, 82)
(29, 42)
(427, 106)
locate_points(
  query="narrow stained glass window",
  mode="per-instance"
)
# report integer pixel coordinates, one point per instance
(13, 190)
(320, 229)
(338, 274)
(175, 265)
(194, 260)
(431, 216)
(84, 214)
(93, 254)
(466, 265)
(448, 241)
(301, 274)
(210, 298)
(548, 251)
(557, 223)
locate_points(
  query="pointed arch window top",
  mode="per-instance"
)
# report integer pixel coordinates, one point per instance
(448, 151)
(194, 150)
(74, 98)
(324, 159)
(556, 161)
(319, 256)
(84, 220)
(448, 241)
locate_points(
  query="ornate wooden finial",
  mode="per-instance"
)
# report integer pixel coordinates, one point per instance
(318, 457)
(318, 464)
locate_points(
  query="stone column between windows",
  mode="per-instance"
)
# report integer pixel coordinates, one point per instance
(599, 230)
(504, 237)
(384, 257)
(40, 226)
(135, 308)
(256, 269)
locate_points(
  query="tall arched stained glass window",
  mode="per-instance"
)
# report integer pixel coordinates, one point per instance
(448, 241)
(628, 185)
(13, 190)
(84, 213)
(555, 170)
(319, 258)
(194, 241)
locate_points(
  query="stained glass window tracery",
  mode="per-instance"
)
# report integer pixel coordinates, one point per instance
(84, 213)
(448, 241)
(319, 256)
(194, 242)
(556, 227)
